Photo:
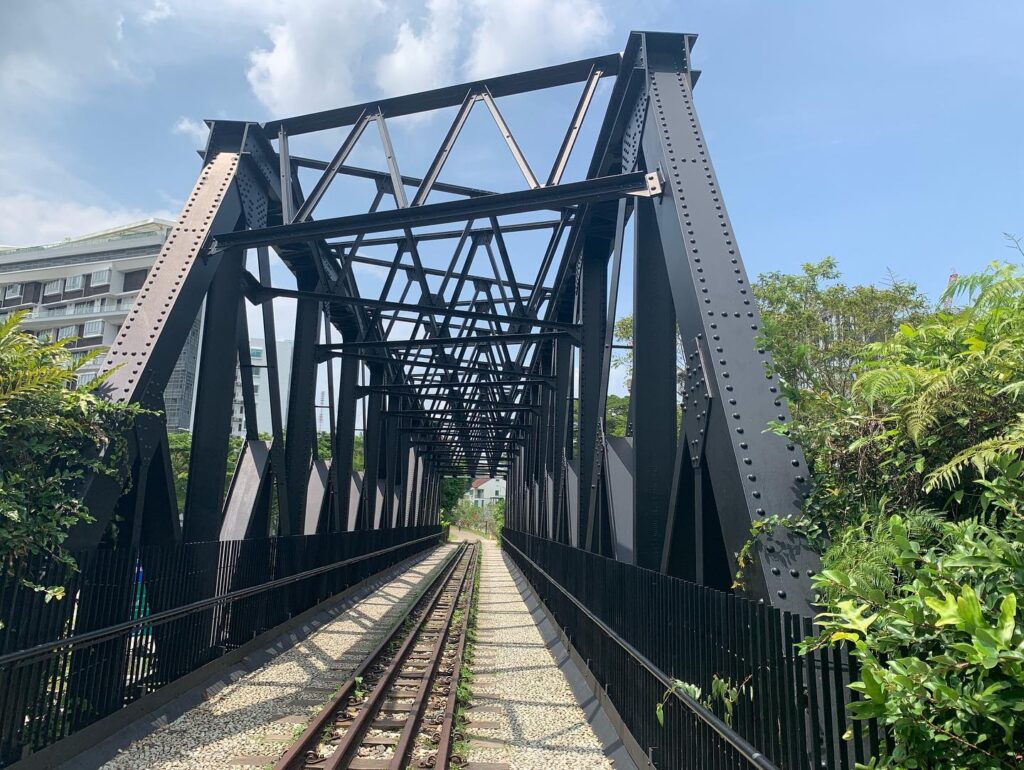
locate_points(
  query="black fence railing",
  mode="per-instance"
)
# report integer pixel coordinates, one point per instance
(132, 621)
(639, 631)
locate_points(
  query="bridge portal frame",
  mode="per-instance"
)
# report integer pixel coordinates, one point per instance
(500, 375)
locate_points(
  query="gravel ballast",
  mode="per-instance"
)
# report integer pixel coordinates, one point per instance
(523, 711)
(252, 720)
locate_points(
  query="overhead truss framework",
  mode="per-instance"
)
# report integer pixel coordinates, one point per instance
(483, 345)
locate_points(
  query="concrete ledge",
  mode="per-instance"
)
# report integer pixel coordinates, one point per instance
(616, 740)
(96, 744)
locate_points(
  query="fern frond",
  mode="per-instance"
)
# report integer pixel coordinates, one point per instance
(982, 456)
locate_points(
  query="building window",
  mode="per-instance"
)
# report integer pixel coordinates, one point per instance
(66, 331)
(100, 278)
(74, 282)
(12, 290)
(53, 287)
(93, 328)
(83, 307)
(46, 335)
(52, 311)
(85, 378)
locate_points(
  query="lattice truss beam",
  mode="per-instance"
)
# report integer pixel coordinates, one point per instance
(467, 330)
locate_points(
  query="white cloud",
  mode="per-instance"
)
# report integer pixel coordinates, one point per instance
(29, 220)
(196, 129)
(159, 11)
(314, 51)
(59, 50)
(532, 33)
(426, 59)
(320, 52)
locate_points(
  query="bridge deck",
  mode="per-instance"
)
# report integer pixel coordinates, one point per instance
(523, 715)
(251, 721)
(524, 712)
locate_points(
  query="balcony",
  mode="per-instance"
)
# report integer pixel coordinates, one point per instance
(93, 310)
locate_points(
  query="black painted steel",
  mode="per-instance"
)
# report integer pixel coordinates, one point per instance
(184, 605)
(640, 631)
(485, 348)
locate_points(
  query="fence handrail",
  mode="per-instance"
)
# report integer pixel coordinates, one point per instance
(100, 634)
(747, 750)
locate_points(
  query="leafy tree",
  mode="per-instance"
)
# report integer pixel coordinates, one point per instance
(616, 417)
(487, 519)
(932, 418)
(452, 490)
(53, 433)
(180, 445)
(814, 325)
(918, 506)
(324, 447)
(623, 333)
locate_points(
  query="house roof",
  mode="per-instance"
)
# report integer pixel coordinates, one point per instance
(145, 226)
(478, 483)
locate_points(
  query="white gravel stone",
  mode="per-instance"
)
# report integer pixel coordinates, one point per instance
(235, 720)
(541, 727)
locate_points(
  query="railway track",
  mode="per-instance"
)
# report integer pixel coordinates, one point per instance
(397, 710)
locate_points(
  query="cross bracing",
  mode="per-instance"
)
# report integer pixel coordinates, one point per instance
(483, 344)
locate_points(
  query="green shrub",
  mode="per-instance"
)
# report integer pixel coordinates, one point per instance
(931, 429)
(942, 656)
(52, 434)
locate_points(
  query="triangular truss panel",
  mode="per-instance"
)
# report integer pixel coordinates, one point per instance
(465, 329)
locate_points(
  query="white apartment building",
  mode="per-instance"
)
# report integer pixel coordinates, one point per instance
(485, 492)
(261, 386)
(84, 288)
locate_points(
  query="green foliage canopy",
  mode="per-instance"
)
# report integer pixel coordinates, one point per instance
(52, 434)
(916, 444)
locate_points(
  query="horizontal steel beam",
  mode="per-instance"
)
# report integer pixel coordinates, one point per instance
(427, 385)
(449, 96)
(258, 293)
(412, 412)
(447, 235)
(487, 280)
(436, 342)
(426, 363)
(569, 194)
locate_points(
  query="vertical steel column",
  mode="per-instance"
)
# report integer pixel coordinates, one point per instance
(593, 311)
(652, 394)
(562, 435)
(298, 448)
(277, 463)
(372, 434)
(344, 441)
(391, 472)
(214, 397)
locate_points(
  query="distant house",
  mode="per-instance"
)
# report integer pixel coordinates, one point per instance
(483, 492)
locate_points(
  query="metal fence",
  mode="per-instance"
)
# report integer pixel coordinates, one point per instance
(640, 630)
(133, 620)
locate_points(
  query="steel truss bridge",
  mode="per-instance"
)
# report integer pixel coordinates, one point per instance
(486, 352)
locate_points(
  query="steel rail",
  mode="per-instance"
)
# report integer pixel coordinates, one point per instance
(730, 736)
(296, 756)
(409, 731)
(444, 737)
(355, 733)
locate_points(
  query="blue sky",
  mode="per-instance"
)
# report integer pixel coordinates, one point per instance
(885, 134)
